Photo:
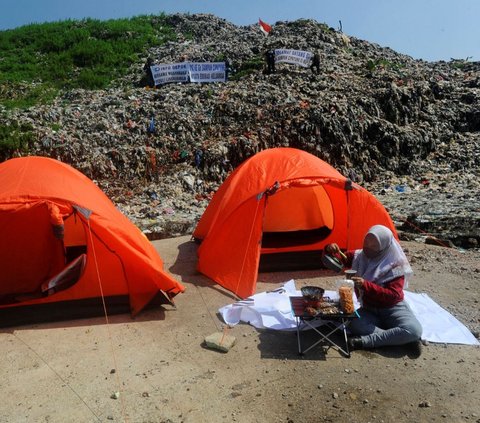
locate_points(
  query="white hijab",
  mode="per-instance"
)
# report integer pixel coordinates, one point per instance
(390, 262)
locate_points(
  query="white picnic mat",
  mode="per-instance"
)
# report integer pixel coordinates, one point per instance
(271, 310)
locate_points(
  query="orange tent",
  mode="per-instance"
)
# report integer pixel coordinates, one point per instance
(63, 240)
(280, 200)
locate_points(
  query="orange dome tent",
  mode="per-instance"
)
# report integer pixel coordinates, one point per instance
(280, 200)
(63, 240)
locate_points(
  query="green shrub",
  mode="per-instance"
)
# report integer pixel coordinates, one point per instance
(90, 79)
(88, 53)
(381, 63)
(459, 63)
(17, 95)
(252, 65)
(15, 138)
(59, 41)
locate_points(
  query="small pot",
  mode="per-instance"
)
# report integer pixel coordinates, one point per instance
(332, 263)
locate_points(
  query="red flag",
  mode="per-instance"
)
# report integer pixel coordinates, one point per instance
(266, 28)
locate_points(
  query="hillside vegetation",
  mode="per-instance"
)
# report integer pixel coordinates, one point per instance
(40, 59)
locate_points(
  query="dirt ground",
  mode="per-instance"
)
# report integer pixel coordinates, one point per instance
(69, 371)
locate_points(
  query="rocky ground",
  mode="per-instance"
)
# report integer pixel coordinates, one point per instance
(158, 365)
(406, 129)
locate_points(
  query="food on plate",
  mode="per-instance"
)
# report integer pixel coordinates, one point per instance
(322, 308)
(311, 311)
(328, 308)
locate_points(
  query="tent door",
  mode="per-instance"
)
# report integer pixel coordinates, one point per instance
(31, 254)
(297, 216)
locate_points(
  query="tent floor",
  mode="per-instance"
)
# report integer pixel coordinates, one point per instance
(69, 310)
(294, 238)
(297, 260)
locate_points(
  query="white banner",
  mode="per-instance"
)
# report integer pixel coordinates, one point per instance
(174, 72)
(188, 71)
(295, 57)
(207, 72)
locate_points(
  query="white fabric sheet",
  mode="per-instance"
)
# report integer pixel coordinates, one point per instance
(437, 323)
(271, 310)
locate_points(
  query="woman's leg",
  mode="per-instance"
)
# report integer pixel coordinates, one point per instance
(366, 324)
(397, 326)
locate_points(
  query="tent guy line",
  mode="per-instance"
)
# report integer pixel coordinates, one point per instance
(420, 231)
(58, 376)
(107, 321)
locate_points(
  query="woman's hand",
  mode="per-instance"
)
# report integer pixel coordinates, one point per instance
(332, 248)
(358, 281)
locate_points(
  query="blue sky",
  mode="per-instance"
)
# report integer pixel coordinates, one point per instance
(424, 29)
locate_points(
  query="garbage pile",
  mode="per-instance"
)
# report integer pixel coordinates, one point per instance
(408, 130)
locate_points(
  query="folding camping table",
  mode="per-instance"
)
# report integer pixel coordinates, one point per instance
(334, 322)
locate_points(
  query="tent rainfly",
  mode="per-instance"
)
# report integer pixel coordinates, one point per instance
(63, 241)
(280, 200)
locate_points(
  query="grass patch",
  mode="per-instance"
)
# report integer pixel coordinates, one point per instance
(22, 95)
(69, 54)
(379, 64)
(15, 138)
(252, 65)
(459, 63)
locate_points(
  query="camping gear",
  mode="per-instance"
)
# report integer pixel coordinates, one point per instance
(273, 311)
(312, 295)
(335, 322)
(332, 263)
(312, 292)
(349, 273)
(64, 241)
(280, 200)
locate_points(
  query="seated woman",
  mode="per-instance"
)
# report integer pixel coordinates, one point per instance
(382, 272)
